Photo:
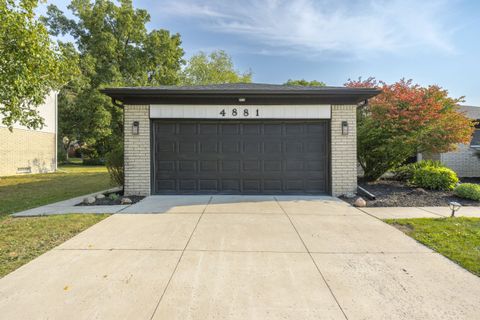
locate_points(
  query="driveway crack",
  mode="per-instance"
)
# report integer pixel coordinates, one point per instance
(179, 259)
(311, 257)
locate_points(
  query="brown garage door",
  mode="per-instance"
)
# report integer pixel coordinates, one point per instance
(240, 157)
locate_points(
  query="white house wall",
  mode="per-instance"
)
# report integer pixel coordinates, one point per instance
(241, 111)
(463, 161)
(24, 150)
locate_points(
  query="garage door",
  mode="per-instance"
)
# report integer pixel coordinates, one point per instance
(240, 157)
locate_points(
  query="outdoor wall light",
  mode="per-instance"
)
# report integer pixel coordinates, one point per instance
(135, 127)
(454, 206)
(344, 128)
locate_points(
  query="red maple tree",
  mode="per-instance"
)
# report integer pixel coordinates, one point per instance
(406, 119)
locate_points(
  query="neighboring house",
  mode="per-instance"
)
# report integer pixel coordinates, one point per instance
(31, 151)
(464, 160)
(240, 139)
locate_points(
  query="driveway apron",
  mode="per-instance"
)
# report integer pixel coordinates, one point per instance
(240, 257)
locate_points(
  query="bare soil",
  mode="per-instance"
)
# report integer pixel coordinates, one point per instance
(391, 193)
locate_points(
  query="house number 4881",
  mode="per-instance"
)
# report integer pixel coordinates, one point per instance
(239, 112)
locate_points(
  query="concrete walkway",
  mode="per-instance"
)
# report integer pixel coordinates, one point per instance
(233, 257)
(420, 212)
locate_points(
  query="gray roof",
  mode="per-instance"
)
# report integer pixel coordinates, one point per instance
(240, 86)
(472, 112)
(252, 91)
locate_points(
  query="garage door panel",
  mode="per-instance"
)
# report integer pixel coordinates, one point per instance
(209, 166)
(231, 184)
(251, 157)
(230, 129)
(208, 185)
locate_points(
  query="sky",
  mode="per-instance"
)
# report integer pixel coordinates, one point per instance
(429, 41)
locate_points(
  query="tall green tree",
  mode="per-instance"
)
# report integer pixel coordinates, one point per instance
(31, 64)
(214, 68)
(114, 48)
(303, 82)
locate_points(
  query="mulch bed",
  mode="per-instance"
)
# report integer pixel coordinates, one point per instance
(391, 193)
(109, 202)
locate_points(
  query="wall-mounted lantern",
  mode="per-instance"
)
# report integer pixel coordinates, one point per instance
(135, 127)
(344, 128)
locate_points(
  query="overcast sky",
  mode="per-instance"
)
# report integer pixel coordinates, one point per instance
(430, 41)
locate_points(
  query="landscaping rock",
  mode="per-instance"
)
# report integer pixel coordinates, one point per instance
(359, 202)
(419, 191)
(100, 196)
(89, 200)
(126, 201)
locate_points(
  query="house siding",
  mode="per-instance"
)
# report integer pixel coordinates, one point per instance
(463, 161)
(344, 150)
(26, 151)
(137, 150)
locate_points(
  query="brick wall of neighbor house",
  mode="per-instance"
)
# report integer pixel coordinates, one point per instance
(26, 151)
(463, 161)
(344, 150)
(137, 150)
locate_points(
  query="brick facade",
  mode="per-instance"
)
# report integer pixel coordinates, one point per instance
(137, 150)
(26, 151)
(344, 150)
(463, 161)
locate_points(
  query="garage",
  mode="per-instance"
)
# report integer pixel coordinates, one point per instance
(240, 139)
(240, 157)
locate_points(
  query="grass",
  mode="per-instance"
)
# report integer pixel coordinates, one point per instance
(23, 192)
(456, 238)
(23, 239)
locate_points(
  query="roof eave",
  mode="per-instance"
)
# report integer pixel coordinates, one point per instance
(150, 96)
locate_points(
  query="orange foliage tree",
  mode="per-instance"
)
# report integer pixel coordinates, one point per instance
(406, 119)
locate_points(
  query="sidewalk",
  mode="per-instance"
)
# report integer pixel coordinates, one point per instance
(419, 212)
(69, 206)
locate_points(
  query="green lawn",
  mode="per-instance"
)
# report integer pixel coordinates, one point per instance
(23, 192)
(456, 238)
(24, 239)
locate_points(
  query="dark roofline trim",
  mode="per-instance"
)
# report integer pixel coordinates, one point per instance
(230, 96)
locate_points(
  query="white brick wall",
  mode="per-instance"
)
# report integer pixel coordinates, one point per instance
(463, 161)
(137, 150)
(344, 150)
(26, 151)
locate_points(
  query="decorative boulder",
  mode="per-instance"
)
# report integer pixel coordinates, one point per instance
(89, 200)
(126, 201)
(100, 196)
(359, 202)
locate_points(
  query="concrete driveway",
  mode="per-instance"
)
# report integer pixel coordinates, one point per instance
(240, 257)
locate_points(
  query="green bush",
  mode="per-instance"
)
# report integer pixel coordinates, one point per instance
(468, 191)
(435, 178)
(114, 163)
(405, 173)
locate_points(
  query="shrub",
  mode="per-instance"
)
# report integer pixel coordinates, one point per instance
(61, 156)
(435, 178)
(405, 172)
(114, 163)
(468, 191)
